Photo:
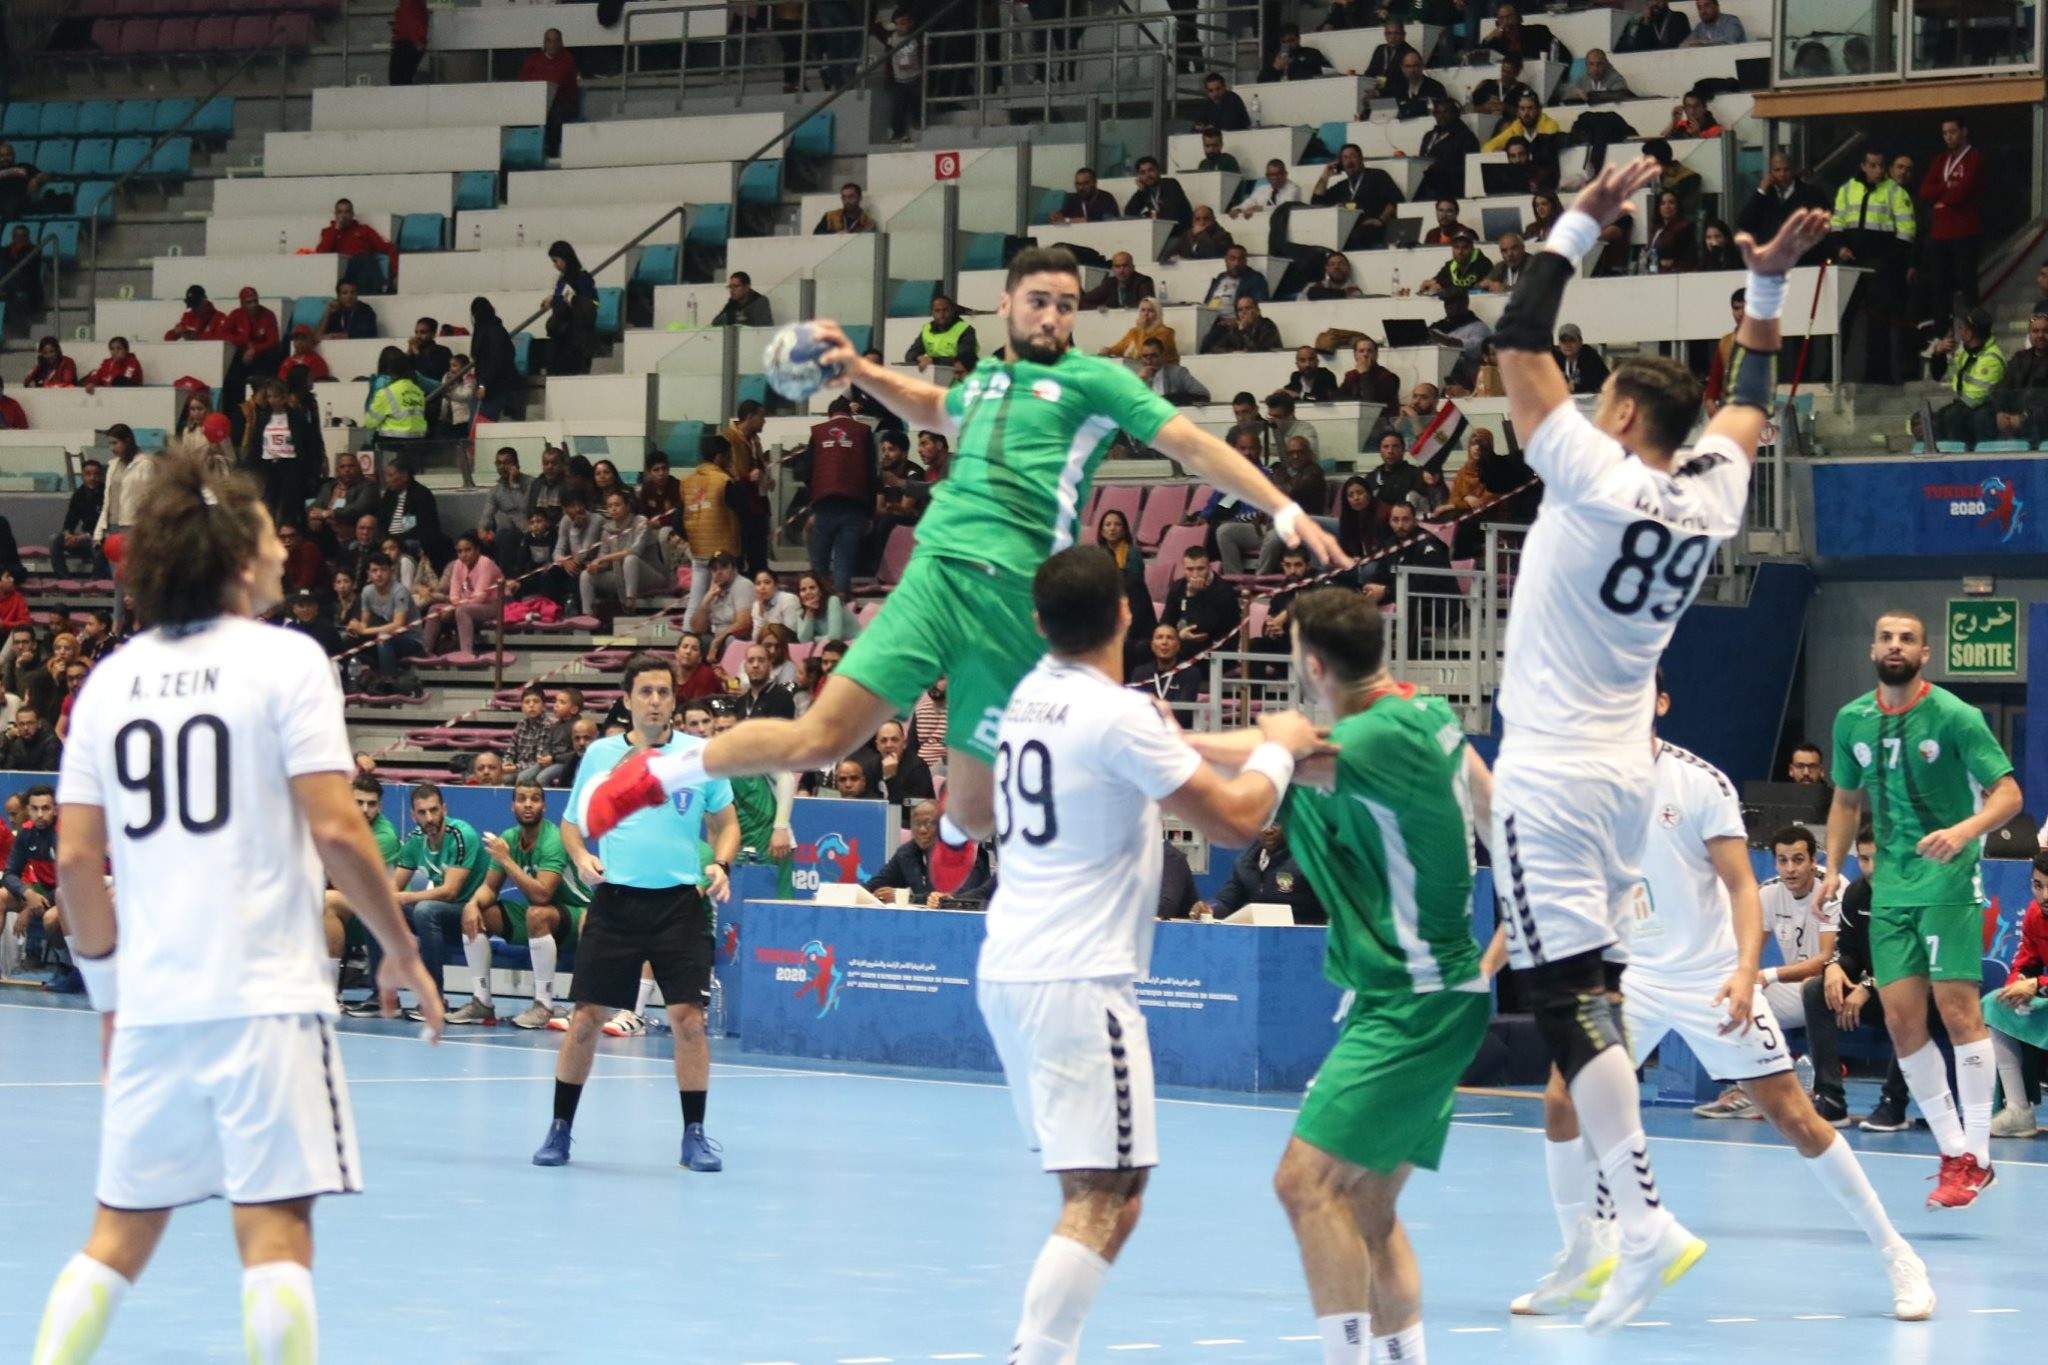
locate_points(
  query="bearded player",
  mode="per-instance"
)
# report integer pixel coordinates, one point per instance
(1028, 434)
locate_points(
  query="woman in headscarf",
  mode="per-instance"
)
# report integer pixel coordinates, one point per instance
(500, 388)
(572, 313)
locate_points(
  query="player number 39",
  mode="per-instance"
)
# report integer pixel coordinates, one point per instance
(1651, 555)
(1024, 777)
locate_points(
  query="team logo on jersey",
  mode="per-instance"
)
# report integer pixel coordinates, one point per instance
(1862, 753)
(1046, 390)
(1668, 817)
(1930, 750)
(684, 798)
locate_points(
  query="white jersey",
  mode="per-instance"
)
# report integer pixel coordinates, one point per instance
(1681, 932)
(1614, 559)
(188, 742)
(1797, 922)
(1080, 766)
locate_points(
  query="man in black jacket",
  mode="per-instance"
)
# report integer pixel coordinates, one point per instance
(81, 514)
(1122, 287)
(306, 618)
(1088, 203)
(1583, 368)
(1844, 998)
(906, 879)
(30, 746)
(764, 696)
(2018, 407)
(1445, 147)
(894, 771)
(408, 511)
(1385, 63)
(1266, 872)
(1202, 609)
(1160, 199)
(1656, 29)
(1177, 895)
(1222, 108)
(1781, 195)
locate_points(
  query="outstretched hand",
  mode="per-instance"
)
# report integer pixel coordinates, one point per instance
(840, 353)
(1607, 194)
(1802, 232)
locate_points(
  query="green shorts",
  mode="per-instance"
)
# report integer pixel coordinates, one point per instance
(1938, 942)
(1382, 1098)
(953, 620)
(515, 922)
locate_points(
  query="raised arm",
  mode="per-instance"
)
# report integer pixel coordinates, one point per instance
(1753, 368)
(1216, 463)
(1234, 809)
(921, 405)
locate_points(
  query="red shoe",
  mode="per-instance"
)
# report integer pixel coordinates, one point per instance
(1960, 1182)
(625, 790)
(950, 866)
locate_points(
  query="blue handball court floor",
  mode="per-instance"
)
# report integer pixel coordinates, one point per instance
(870, 1218)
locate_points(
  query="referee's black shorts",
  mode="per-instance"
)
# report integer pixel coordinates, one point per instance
(668, 927)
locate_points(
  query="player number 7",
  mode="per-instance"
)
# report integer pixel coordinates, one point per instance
(1891, 752)
(1933, 947)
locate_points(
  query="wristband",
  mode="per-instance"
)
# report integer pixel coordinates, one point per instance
(1273, 763)
(1573, 235)
(99, 977)
(1763, 296)
(1287, 523)
(1769, 976)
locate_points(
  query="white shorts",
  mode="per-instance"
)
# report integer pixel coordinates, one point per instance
(255, 1109)
(1079, 1062)
(1788, 1002)
(1568, 831)
(1650, 1009)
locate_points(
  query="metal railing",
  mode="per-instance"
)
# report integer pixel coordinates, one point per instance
(828, 50)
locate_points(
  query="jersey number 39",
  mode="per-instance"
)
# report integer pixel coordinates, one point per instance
(1024, 778)
(1651, 557)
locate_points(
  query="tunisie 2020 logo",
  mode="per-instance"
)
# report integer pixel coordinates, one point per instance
(814, 968)
(1992, 504)
(833, 858)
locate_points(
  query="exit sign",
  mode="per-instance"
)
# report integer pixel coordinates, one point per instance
(1983, 637)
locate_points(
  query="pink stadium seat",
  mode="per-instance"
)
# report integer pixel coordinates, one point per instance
(1094, 501)
(294, 30)
(129, 7)
(215, 34)
(137, 36)
(896, 553)
(177, 35)
(1125, 498)
(106, 34)
(733, 661)
(1164, 507)
(252, 31)
(99, 9)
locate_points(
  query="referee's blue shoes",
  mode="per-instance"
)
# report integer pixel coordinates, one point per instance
(554, 1149)
(700, 1153)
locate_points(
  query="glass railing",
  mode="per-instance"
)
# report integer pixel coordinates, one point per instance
(1851, 41)
(1951, 36)
(847, 283)
(920, 246)
(692, 384)
(991, 190)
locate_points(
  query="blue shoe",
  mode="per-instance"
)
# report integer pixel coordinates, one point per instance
(66, 981)
(554, 1149)
(700, 1153)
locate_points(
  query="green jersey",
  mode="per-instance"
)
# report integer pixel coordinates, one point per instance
(1030, 438)
(1925, 767)
(1389, 851)
(548, 855)
(460, 847)
(386, 836)
(753, 800)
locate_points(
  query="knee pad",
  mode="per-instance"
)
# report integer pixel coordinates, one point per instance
(1575, 1011)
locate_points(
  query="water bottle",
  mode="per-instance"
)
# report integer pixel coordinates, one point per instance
(1397, 280)
(714, 1013)
(284, 245)
(1256, 120)
(693, 312)
(1162, 291)
(519, 234)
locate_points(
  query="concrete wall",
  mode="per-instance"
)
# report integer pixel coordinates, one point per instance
(1839, 622)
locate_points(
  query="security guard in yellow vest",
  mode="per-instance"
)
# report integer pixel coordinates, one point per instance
(1973, 366)
(398, 410)
(1874, 228)
(947, 337)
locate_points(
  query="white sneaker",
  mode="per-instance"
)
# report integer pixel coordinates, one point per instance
(1640, 1274)
(625, 1024)
(1912, 1295)
(1578, 1272)
(2015, 1121)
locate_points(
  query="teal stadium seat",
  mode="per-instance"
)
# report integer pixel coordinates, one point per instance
(129, 154)
(1114, 160)
(682, 442)
(172, 161)
(984, 251)
(216, 118)
(1046, 203)
(97, 116)
(422, 232)
(151, 438)
(94, 199)
(859, 333)
(1329, 137)
(93, 159)
(658, 264)
(611, 310)
(54, 156)
(306, 312)
(135, 116)
(912, 298)
(65, 233)
(522, 352)
(24, 119)
(476, 190)
(761, 183)
(2002, 447)
(815, 137)
(522, 150)
(169, 114)
(710, 225)
(751, 386)
(60, 119)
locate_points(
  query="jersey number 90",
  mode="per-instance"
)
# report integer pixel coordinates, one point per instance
(1024, 777)
(1653, 559)
(139, 767)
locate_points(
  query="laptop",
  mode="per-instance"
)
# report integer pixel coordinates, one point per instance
(1785, 803)
(1494, 223)
(1402, 232)
(1503, 177)
(1406, 332)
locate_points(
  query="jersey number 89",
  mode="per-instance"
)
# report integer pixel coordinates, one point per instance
(1651, 555)
(1024, 776)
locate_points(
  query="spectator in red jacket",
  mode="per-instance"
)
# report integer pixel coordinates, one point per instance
(2018, 1023)
(408, 40)
(556, 65)
(120, 370)
(259, 348)
(305, 356)
(1952, 188)
(360, 246)
(201, 321)
(54, 369)
(12, 418)
(13, 606)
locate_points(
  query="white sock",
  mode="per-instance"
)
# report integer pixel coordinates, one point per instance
(280, 1323)
(1399, 1348)
(1610, 1115)
(1063, 1284)
(1929, 1084)
(1570, 1168)
(75, 1316)
(2010, 1073)
(542, 946)
(684, 768)
(1347, 1338)
(646, 994)
(334, 973)
(1976, 1071)
(952, 833)
(477, 952)
(1838, 1170)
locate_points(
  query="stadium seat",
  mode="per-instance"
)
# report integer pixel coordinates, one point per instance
(95, 199)
(861, 334)
(54, 156)
(252, 31)
(2002, 447)
(1165, 505)
(658, 264)
(422, 232)
(106, 35)
(135, 116)
(522, 149)
(1159, 574)
(24, 119)
(682, 442)
(761, 183)
(138, 36)
(151, 438)
(94, 157)
(984, 251)
(911, 298)
(97, 116)
(1331, 136)
(1127, 498)
(896, 554)
(710, 225)
(178, 35)
(522, 352)
(751, 386)
(216, 118)
(306, 312)
(476, 190)
(63, 232)
(129, 154)
(814, 137)
(214, 34)
(1046, 204)
(170, 113)
(172, 161)
(294, 32)
(60, 119)
(611, 310)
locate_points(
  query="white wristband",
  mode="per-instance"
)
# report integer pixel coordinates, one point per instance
(1770, 976)
(1287, 523)
(99, 977)
(1763, 296)
(1573, 235)
(1273, 763)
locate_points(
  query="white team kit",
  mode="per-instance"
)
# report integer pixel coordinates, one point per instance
(224, 1077)
(1081, 763)
(1797, 922)
(1681, 941)
(1615, 557)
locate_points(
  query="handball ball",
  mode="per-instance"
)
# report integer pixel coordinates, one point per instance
(791, 362)
(215, 427)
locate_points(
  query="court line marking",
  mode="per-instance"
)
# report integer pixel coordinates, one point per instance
(1220, 1341)
(1994, 1310)
(1816, 1317)
(769, 1071)
(1717, 1321)
(1471, 1331)
(355, 1081)
(959, 1355)
(866, 1360)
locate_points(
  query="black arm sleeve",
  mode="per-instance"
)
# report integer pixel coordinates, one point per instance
(1530, 318)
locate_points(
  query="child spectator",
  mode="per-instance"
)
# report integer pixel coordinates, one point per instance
(460, 393)
(2014, 1011)
(120, 370)
(54, 369)
(906, 75)
(529, 742)
(305, 356)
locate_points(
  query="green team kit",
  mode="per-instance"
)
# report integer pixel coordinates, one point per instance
(1923, 767)
(1389, 851)
(547, 854)
(1030, 438)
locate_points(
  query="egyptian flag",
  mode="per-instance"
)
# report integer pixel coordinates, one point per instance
(1445, 433)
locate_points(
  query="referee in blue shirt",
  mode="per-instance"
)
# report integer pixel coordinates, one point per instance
(652, 904)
